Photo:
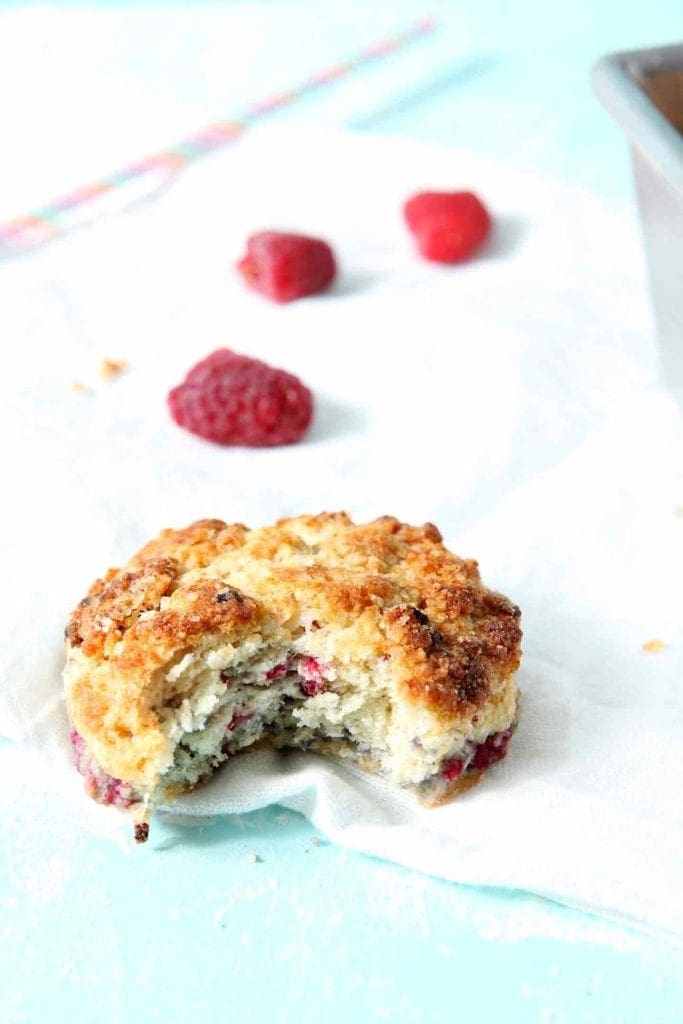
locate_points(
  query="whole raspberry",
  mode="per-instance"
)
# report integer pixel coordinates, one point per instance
(448, 226)
(232, 399)
(285, 267)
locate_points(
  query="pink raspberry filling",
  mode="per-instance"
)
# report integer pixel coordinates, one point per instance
(452, 769)
(239, 718)
(98, 784)
(313, 675)
(277, 671)
(492, 749)
(486, 753)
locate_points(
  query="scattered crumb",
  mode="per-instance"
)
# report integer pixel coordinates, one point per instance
(110, 368)
(79, 388)
(315, 840)
(253, 858)
(654, 645)
(141, 831)
(678, 511)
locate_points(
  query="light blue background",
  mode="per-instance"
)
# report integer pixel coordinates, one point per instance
(189, 927)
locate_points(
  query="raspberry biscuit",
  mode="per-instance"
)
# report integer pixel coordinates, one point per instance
(369, 642)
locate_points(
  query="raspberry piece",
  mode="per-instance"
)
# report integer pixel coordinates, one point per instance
(98, 784)
(448, 226)
(277, 671)
(313, 675)
(239, 718)
(312, 687)
(452, 769)
(232, 399)
(492, 749)
(285, 267)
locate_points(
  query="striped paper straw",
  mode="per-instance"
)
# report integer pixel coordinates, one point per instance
(40, 226)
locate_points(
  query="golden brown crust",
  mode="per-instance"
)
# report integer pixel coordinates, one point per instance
(114, 604)
(198, 609)
(195, 546)
(393, 589)
(451, 789)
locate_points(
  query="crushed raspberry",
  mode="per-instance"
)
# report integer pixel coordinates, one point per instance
(239, 718)
(310, 666)
(313, 675)
(277, 671)
(492, 749)
(225, 678)
(452, 770)
(283, 266)
(312, 687)
(233, 399)
(448, 226)
(98, 784)
(486, 753)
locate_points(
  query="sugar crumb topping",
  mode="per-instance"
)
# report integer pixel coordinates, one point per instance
(111, 368)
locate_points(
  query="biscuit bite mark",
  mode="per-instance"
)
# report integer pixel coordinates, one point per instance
(371, 642)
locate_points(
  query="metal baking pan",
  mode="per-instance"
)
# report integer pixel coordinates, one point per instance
(643, 90)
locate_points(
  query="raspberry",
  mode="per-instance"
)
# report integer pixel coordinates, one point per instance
(312, 673)
(285, 267)
(98, 784)
(448, 226)
(232, 399)
(239, 718)
(492, 749)
(452, 769)
(277, 671)
(486, 753)
(312, 687)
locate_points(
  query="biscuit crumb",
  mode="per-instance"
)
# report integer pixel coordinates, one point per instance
(110, 368)
(315, 840)
(678, 511)
(141, 832)
(79, 387)
(654, 645)
(253, 858)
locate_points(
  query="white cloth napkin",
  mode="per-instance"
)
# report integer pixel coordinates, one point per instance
(513, 400)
